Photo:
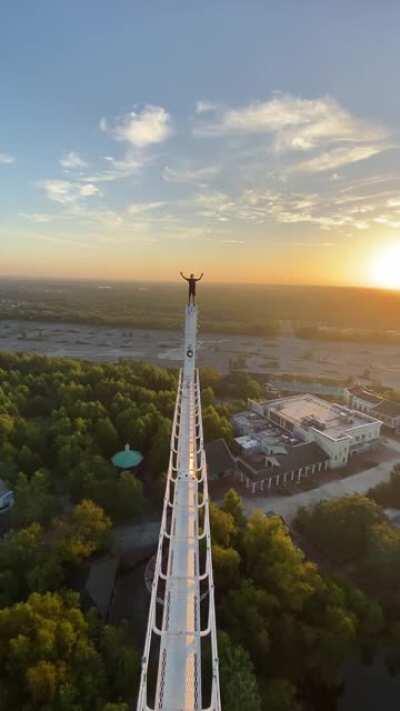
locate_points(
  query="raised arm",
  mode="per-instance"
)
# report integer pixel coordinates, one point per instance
(183, 276)
(200, 277)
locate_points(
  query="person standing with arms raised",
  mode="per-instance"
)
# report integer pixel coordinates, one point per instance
(192, 280)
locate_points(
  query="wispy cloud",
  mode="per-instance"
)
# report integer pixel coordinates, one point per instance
(337, 157)
(255, 207)
(140, 129)
(296, 123)
(217, 205)
(72, 160)
(190, 175)
(118, 169)
(37, 217)
(388, 221)
(204, 107)
(313, 245)
(66, 192)
(6, 159)
(138, 208)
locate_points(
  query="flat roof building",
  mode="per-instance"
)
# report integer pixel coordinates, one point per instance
(339, 430)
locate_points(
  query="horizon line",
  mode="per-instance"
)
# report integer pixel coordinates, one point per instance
(126, 280)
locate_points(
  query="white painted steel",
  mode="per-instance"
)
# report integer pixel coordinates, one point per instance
(179, 672)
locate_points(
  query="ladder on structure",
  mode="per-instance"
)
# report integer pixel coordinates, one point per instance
(180, 659)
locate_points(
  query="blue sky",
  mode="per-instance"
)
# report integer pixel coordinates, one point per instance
(256, 141)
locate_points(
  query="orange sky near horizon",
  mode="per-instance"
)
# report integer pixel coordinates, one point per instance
(337, 264)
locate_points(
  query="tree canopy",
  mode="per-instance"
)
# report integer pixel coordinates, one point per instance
(51, 657)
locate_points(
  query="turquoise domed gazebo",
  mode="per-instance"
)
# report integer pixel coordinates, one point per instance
(128, 458)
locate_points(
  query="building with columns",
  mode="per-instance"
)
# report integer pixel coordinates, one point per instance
(260, 472)
(361, 399)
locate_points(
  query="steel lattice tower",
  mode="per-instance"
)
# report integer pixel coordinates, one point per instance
(180, 659)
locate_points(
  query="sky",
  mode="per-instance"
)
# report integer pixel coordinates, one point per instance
(252, 140)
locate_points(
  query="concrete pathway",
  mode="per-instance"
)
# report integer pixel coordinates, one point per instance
(287, 506)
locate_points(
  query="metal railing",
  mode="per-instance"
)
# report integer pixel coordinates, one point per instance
(178, 661)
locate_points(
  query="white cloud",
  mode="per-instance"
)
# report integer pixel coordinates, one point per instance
(313, 244)
(6, 159)
(215, 205)
(138, 208)
(107, 218)
(203, 107)
(37, 217)
(388, 221)
(141, 129)
(72, 160)
(337, 157)
(119, 169)
(66, 192)
(189, 175)
(294, 123)
(88, 190)
(394, 202)
(329, 212)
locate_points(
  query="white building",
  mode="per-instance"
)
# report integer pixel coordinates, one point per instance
(361, 399)
(339, 431)
(389, 413)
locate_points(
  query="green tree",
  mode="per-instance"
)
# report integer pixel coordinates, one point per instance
(233, 505)
(239, 690)
(222, 526)
(126, 500)
(159, 452)
(82, 532)
(387, 494)
(226, 564)
(341, 527)
(44, 648)
(34, 501)
(28, 460)
(215, 425)
(280, 695)
(107, 437)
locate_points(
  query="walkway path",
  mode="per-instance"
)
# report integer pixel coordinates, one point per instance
(287, 506)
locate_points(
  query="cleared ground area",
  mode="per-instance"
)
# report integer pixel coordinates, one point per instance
(285, 353)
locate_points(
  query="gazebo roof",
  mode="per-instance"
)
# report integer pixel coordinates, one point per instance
(127, 458)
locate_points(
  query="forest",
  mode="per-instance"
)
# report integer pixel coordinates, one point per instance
(226, 308)
(291, 623)
(60, 422)
(286, 624)
(357, 542)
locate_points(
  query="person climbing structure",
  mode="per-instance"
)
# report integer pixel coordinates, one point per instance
(191, 280)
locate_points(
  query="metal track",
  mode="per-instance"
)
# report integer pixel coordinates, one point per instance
(177, 588)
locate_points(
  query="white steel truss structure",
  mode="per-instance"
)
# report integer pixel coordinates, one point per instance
(180, 659)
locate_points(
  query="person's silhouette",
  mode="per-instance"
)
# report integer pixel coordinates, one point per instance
(191, 280)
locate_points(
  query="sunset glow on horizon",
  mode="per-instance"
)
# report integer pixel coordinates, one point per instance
(385, 268)
(263, 170)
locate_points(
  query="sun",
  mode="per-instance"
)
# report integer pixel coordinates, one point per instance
(385, 268)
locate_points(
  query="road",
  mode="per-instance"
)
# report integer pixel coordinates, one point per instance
(287, 506)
